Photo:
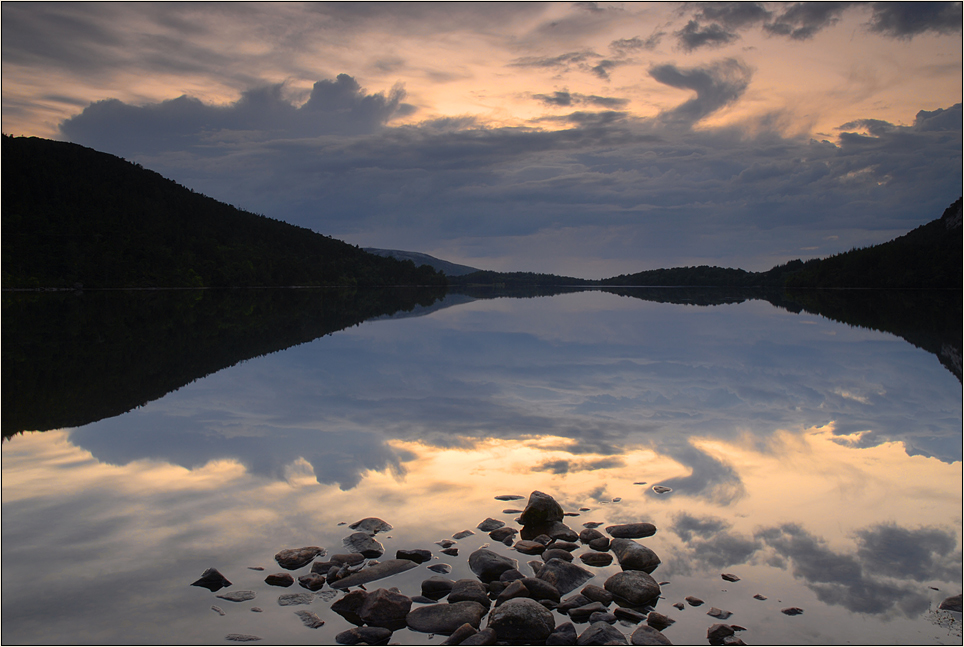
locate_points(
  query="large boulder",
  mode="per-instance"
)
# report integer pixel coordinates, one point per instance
(521, 621)
(445, 618)
(633, 556)
(541, 509)
(564, 575)
(633, 588)
(488, 565)
(385, 608)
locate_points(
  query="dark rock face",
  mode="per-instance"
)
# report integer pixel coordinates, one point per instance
(373, 572)
(633, 556)
(541, 509)
(563, 575)
(637, 588)
(564, 545)
(489, 566)
(385, 608)
(521, 621)
(453, 552)
(361, 542)
(312, 581)
(280, 579)
(462, 534)
(436, 587)
(601, 633)
(554, 530)
(631, 530)
(573, 602)
(490, 524)
(509, 497)
(564, 634)
(366, 635)
(241, 638)
(440, 568)
(416, 555)
(371, 525)
(602, 616)
(445, 618)
(349, 606)
(511, 575)
(600, 544)
(514, 590)
(646, 635)
(719, 613)
(294, 558)
(596, 559)
(952, 603)
(469, 590)
(212, 580)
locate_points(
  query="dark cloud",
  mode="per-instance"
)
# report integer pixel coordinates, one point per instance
(802, 20)
(602, 69)
(565, 466)
(562, 61)
(334, 107)
(625, 46)
(565, 98)
(922, 554)
(716, 86)
(905, 20)
(708, 543)
(733, 15)
(694, 36)
(710, 478)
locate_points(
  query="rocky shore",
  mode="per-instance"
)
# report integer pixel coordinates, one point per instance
(505, 603)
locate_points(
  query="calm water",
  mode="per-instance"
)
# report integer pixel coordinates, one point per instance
(819, 462)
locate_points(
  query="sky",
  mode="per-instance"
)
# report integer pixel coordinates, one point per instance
(584, 139)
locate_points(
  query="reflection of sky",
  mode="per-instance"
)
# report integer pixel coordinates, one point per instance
(598, 372)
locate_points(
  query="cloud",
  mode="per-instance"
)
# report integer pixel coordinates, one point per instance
(337, 106)
(803, 20)
(904, 20)
(716, 86)
(694, 36)
(565, 466)
(565, 98)
(922, 554)
(624, 46)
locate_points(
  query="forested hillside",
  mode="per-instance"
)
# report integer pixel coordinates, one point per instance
(74, 217)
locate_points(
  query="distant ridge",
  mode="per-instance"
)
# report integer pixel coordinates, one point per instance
(446, 267)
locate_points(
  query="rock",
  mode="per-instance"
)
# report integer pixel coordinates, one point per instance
(212, 580)
(601, 633)
(679, 605)
(600, 544)
(241, 638)
(661, 489)
(373, 572)
(237, 596)
(592, 524)
(729, 577)
(602, 616)
(952, 603)
(440, 568)
(514, 590)
(658, 621)
(445, 618)
(509, 497)
(310, 619)
(596, 559)
(453, 552)
(536, 566)
(629, 615)
(589, 534)
(445, 543)
(485, 637)
(555, 530)
(488, 565)
(573, 602)
(417, 555)
(632, 530)
(385, 608)
(792, 611)
(597, 594)
(349, 606)
(541, 509)
(462, 534)
(218, 610)
(361, 542)
(256, 568)
(582, 614)
(633, 556)
(460, 634)
(521, 620)
(511, 575)
(312, 581)
(436, 587)
(256, 610)
(567, 546)
(280, 579)
(469, 590)
(717, 633)
(564, 634)
(759, 597)
(719, 613)
(364, 635)
(529, 547)
(289, 599)
(541, 590)
(636, 588)
(542, 538)
(501, 534)
(563, 575)
(693, 601)
(557, 553)
(294, 558)
(512, 511)
(648, 635)
(490, 524)
(371, 525)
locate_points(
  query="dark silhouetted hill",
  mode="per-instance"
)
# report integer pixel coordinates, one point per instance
(74, 216)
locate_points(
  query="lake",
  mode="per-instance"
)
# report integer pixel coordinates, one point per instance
(816, 460)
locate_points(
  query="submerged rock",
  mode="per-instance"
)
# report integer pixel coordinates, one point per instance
(218, 610)
(362, 542)
(509, 497)
(596, 559)
(371, 525)
(462, 534)
(521, 620)
(212, 580)
(445, 618)
(237, 596)
(440, 568)
(632, 530)
(719, 613)
(294, 558)
(309, 619)
(661, 489)
(242, 638)
(759, 597)
(289, 599)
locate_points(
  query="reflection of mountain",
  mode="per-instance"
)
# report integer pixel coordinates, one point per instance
(71, 359)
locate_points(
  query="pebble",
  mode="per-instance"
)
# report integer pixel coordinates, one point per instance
(792, 611)
(719, 613)
(693, 601)
(759, 597)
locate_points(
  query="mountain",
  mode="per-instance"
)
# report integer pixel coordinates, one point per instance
(76, 217)
(446, 267)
